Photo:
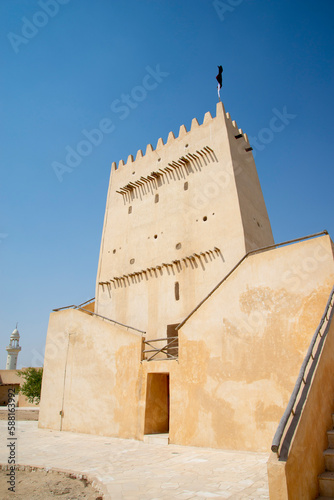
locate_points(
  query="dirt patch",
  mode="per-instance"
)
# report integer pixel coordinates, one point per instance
(42, 485)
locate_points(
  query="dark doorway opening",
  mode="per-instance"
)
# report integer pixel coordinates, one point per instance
(157, 404)
(173, 340)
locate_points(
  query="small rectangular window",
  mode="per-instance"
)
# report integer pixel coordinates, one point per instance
(156, 199)
(185, 186)
(130, 210)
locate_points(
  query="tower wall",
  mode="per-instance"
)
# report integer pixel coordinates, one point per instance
(13, 350)
(11, 359)
(177, 220)
(255, 220)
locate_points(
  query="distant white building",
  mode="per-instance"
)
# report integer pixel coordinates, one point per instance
(13, 350)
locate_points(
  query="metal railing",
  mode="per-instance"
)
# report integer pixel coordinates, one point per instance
(170, 349)
(257, 250)
(74, 306)
(92, 313)
(284, 433)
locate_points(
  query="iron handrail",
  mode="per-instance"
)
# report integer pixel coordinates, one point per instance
(251, 252)
(87, 302)
(111, 320)
(73, 306)
(301, 377)
(92, 313)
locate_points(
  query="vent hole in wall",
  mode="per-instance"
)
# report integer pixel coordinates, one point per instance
(178, 246)
(185, 186)
(155, 236)
(114, 250)
(205, 218)
(132, 261)
(156, 198)
(130, 210)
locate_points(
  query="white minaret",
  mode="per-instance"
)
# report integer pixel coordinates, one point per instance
(13, 350)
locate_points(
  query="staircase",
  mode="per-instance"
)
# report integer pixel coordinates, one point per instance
(326, 479)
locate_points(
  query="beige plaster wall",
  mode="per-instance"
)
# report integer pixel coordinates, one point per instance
(21, 400)
(277, 478)
(4, 393)
(239, 356)
(255, 220)
(145, 252)
(240, 353)
(305, 460)
(89, 307)
(10, 379)
(91, 374)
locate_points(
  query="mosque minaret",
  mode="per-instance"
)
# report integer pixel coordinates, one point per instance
(13, 350)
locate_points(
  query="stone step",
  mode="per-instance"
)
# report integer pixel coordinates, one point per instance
(330, 435)
(162, 439)
(326, 484)
(329, 459)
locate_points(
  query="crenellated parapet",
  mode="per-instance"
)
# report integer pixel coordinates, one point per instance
(183, 133)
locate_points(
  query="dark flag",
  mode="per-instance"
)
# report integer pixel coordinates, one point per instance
(219, 79)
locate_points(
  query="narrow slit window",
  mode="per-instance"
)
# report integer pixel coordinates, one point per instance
(177, 290)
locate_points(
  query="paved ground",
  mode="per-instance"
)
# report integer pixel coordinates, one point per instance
(132, 470)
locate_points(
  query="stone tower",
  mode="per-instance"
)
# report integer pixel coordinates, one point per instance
(13, 350)
(177, 219)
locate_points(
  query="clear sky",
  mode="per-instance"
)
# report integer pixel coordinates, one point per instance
(67, 67)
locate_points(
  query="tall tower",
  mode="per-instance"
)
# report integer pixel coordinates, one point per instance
(13, 350)
(178, 218)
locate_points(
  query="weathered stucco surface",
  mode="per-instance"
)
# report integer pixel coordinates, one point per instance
(247, 342)
(188, 225)
(299, 473)
(9, 379)
(177, 220)
(91, 375)
(239, 356)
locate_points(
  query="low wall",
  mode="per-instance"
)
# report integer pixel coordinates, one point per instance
(239, 357)
(91, 381)
(20, 413)
(297, 477)
(240, 352)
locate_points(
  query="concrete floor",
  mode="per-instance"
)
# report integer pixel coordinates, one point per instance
(132, 470)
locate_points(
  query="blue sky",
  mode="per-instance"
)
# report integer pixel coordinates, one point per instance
(65, 63)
